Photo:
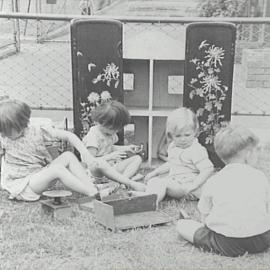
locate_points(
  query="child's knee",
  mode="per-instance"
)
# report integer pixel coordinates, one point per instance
(157, 186)
(57, 169)
(187, 228)
(68, 155)
(138, 159)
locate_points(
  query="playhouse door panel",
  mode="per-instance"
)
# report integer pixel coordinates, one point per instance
(208, 75)
(97, 63)
(206, 40)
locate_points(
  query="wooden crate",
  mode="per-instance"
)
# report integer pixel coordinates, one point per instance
(128, 213)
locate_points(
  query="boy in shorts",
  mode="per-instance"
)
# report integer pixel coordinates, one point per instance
(235, 201)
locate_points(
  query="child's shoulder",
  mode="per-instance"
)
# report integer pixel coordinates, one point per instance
(196, 148)
(94, 129)
(93, 133)
(243, 171)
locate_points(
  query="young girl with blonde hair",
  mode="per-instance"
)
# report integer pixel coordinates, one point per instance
(188, 165)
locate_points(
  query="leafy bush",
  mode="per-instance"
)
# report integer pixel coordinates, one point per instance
(222, 8)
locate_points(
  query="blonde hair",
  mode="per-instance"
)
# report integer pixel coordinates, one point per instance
(231, 140)
(181, 118)
(14, 114)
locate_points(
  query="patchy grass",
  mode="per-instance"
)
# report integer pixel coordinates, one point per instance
(32, 241)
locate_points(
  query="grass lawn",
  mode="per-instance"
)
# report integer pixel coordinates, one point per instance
(32, 241)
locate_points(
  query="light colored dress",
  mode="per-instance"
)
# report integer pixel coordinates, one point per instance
(24, 157)
(186, 164)
(102, 143)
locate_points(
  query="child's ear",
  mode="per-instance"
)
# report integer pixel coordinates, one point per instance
(251, 157)
(248, 154)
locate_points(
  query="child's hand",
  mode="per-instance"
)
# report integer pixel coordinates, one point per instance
(132, 148)
(117, 155)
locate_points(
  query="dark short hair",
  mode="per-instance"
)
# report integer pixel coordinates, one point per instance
(14, 114)
(112, 115)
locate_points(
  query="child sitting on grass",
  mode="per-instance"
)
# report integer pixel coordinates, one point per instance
(28, 168)
(188, 164)
(110, 118)
(235, 201)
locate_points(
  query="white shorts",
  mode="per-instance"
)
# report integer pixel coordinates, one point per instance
(27, 194)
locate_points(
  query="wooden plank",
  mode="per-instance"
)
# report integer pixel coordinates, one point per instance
(139, 96)
(104, 214)
(159, 125)
(141, 129)
(133, 204)
(88, 206)
(142, 219)
(150, 124)
(162, 70)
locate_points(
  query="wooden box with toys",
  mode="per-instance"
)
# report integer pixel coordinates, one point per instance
(122, 211)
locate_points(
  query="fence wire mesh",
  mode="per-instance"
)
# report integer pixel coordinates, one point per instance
(35, 58)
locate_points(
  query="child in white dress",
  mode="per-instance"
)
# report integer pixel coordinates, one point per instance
(235, 202)
(110, 118)
(188, 165)
(28, 167)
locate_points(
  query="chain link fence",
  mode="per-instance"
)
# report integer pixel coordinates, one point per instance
(35, 58)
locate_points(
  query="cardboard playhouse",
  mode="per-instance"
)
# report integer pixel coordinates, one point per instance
(153, 74)
(150, 81)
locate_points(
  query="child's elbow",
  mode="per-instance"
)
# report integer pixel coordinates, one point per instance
(209, 171)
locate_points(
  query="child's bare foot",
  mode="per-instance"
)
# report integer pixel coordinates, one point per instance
(137, 177)
(107, 189)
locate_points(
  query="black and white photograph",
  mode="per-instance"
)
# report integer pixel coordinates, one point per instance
(134, 134)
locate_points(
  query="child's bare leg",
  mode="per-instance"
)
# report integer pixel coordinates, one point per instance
(164, 186)
(157, 186)
(197, 192)
(41, 180)
(187, 228)
(175, 190)
(105, 169)
(129, 166)
(70, 161)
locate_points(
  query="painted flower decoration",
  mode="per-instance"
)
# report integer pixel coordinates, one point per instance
(105, 96)
(208, 87)
(93, 100)
(214, 55)
(110, 73)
